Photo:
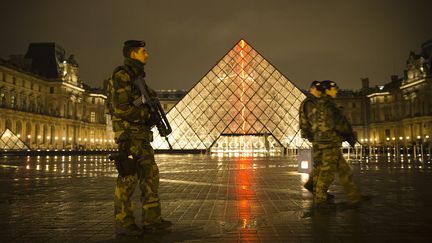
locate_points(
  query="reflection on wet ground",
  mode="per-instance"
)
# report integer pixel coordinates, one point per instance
(214, 198)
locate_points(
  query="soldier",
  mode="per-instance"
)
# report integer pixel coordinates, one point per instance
(306, 108)
(135, 161)
(305, 127)
(330, 128)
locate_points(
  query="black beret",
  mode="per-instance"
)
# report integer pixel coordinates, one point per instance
(134, 43)
(328, 84)
(315, 84)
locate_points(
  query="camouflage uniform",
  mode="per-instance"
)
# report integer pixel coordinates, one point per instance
(306, 108)
(330, 128)
(133, 136)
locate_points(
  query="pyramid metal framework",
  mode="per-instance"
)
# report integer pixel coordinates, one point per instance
(243, 95)
(10, 141)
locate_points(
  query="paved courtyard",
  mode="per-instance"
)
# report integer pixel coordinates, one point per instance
(214, 199)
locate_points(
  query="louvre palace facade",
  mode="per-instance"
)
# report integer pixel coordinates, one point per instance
(399, 112)
(44, 103)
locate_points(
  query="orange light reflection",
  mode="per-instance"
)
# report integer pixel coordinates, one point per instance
(245, 195)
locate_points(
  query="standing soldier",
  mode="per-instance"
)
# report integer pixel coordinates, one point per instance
(330, 128)
(132, 130)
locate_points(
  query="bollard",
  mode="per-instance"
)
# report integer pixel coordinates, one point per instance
(304, 160)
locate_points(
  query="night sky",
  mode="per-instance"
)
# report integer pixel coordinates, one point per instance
(340, 40)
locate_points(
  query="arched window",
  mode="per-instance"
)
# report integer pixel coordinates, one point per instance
(28, 132)
(37, 131)
(18, 130)
(44, 133)
(53, 134)
(8, 124)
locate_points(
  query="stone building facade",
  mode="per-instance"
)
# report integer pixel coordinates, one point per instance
(398, 112)
(44, 102)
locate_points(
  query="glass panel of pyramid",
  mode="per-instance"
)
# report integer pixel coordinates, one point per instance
(10, 141)
(243, 94)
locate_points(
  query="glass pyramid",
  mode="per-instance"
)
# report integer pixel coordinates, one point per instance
(10, 141)
(242, 103)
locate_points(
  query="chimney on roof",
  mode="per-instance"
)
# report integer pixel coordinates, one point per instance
(365, 83)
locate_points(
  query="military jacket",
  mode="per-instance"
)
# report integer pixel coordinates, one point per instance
(328, 123)
(121, 93)
(306, 108)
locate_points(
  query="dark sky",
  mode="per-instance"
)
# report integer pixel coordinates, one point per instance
(341, 40)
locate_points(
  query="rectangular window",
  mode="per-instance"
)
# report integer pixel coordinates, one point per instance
(12, 101)
(51, 90)
(92, 116)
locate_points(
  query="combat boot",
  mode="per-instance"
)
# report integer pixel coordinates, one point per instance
(162, 224)
(129, 230)
(309, 185)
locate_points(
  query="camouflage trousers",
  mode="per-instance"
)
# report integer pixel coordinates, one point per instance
(332, 162)
(146, 177)
(313, 175)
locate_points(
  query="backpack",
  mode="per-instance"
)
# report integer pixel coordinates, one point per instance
(109, 89)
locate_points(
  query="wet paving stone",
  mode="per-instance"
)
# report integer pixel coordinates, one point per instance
(214, 199)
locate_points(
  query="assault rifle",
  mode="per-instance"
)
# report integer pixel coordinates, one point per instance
(157, 114)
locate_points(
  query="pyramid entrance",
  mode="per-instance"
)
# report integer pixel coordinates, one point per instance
(242, 103)
(247, 143)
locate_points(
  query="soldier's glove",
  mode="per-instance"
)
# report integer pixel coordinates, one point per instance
(116, 158)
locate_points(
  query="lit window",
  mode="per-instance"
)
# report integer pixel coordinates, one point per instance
(12, 101)
(92, 116)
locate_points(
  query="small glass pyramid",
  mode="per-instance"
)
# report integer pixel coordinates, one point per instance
(10, 141)
(242, 104)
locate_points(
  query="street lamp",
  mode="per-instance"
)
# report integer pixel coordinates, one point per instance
(388, 146)
(400, 149)
(419, 147)
(407, 146)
